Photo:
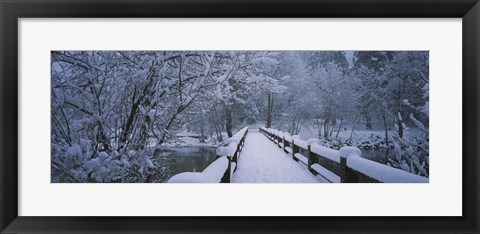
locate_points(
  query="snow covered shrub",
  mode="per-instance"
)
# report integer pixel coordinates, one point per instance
(77, 166)
(411, 153)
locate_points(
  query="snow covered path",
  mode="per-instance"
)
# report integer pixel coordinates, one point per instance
(261, 161)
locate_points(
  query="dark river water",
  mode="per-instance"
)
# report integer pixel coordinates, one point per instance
(183, 159)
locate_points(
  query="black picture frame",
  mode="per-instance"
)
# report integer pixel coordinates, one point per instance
(11, 11)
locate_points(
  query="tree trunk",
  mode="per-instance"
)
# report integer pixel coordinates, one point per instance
(319, 128)
(229, 122)
(400, 127)
(268, 123)
(334, 122)
(326, 127)
(368, 121)
(385, 126)
(339, 128)
(353, 129)
(102, 138)
(202, 129)
(216, 124)
(166, 128)
(292, 126)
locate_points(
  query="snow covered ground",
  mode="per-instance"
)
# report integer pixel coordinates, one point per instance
(365, 139)
(261, 161)
(185, 138)
(360, 134)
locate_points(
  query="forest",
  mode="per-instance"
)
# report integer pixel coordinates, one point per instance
(115, 114)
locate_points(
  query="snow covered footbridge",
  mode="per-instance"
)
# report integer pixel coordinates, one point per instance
(271, 156)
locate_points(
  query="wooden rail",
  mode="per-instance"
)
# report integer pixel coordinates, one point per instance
(231, 155)
(339, 166)
(220, 170)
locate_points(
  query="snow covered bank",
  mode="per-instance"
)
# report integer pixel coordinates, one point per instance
(185, 139)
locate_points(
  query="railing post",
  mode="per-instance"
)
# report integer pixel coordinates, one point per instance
(348, 175)
(240, 144)
(236, 154)
(312, 159)
(294, 150)
(278, 140)
(283, 142)
(226, 176)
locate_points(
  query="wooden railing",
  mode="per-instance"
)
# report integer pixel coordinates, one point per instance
(231, 151)
(220, 170)
(339, 166)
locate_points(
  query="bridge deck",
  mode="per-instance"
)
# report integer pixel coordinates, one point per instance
(261, 161)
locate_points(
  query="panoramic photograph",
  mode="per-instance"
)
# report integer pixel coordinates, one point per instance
(239, 116)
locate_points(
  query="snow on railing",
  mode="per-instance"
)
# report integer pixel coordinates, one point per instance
(381, 172)
(345, 165)
(220, 170)
(325, 152)
(212, 174)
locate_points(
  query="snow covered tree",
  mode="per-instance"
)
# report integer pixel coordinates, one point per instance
(375, 62)
(329, 72)
(265, 76)
(294, 103)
